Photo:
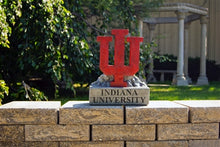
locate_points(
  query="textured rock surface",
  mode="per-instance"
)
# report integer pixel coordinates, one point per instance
(204, 143)
(19, 112)
(57, 133)
(92, 144)
(158, 144)
(123, 132)
(29, 144)
(161, 123)
(12, 133)
(104, 81)
(203, 110)
(157, 112)
(188, 131)
(80, 112)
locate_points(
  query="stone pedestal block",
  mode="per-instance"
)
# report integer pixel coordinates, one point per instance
(27, 112)
(158, 144)
(12, 133)
(188, 131)
(202, 80)
(203, 110)
(93, 144)
(157, 112)
(29, 144)
(119, 96)
(80, 112)
(57, 133)
(123, 132)
(204, 143)
(42, 144)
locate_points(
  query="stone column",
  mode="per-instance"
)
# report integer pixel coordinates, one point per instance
(203, 80)
(151, 28)
(186, 41)
(140, 27)
(181, 80)
(151, 76)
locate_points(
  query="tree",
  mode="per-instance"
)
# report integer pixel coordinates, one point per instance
(54, 39)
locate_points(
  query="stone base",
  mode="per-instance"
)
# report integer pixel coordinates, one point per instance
(180, 81)
(189, 79)
(119, 95)
(202, 80)
(151, 78)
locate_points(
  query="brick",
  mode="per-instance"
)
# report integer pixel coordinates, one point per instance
(80, 112)
(29, 144)
(157, 112)
(123, 132)
(57, 133)
(20, 112)
(92, 144)
(203, 110)
(12, 144)
(41, 144)
(188, 131)
(158, 144)
(204, 143)
(12, 133)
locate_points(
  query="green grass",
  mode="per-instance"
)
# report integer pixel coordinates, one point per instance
(169, 92)
(192, 92)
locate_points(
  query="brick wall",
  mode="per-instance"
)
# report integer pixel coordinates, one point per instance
(77, 124)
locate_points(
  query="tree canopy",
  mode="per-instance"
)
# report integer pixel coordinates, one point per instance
(56, 39)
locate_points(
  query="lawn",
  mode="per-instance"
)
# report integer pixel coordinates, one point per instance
(166, 91)
(192, 92)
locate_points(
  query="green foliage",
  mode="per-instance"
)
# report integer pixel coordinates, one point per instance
(146, 54)
(9, 11)
(56, 39)
(25, 92)
(4, 90)
(33, 93)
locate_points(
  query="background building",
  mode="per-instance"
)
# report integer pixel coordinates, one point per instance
(166, 35)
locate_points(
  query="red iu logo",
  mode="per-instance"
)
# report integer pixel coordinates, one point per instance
(119, 70)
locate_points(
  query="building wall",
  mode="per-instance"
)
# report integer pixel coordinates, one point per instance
(166, 35)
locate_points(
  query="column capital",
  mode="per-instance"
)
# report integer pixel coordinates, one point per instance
(203, 20)
(180, 14)
(151, 26)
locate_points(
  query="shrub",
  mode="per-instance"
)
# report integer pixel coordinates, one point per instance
(4, 90)
(212, 69)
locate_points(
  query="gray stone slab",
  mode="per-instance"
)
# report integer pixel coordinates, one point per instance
(80, 112)
(29, 144)
(57, 133)
(188, 131)
(203, 110)
(204, 143)
(157, 112)
(157, 144)
(93, 144)
(29, 112)
(11, 133)
(123, 132)
(119, 96)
